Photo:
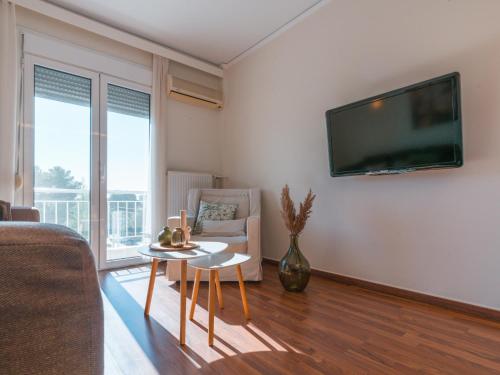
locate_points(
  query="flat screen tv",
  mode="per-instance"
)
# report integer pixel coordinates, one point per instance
(412, 128)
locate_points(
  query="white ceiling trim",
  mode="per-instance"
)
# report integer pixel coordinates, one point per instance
(99, 28)
(276, 33)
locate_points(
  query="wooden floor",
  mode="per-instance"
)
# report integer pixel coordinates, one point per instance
(331, 328)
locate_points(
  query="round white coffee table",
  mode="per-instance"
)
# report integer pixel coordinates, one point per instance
(205, 249)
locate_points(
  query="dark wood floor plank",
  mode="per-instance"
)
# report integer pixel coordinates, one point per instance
(331, 328)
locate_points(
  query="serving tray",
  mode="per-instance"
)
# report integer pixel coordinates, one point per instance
(189, 246)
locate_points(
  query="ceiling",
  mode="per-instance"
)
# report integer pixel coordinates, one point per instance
(216, 31)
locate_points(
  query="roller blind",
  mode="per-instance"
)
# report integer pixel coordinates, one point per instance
(128, 102)
(69, 88)
(64, 87)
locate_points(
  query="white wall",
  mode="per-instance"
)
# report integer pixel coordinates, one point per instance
(436, 232)
(193, 138)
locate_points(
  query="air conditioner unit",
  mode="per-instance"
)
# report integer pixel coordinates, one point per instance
(193, 93)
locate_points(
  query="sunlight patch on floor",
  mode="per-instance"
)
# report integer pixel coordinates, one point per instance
(265, 338)
(191, 359)
(230, 338)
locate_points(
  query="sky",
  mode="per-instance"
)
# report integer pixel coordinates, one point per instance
(62, 138)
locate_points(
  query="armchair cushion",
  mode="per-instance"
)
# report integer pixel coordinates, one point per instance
(213, 211)
(226, 228)
(248, 200)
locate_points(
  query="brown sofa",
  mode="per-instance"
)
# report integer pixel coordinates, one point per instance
(51, 315)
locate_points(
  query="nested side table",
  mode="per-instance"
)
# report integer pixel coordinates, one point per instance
(212, 264)
(205, 250)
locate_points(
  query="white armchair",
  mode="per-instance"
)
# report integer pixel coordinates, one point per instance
(248, 201)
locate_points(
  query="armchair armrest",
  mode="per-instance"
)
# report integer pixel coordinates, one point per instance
(175, 221)
(253, 236)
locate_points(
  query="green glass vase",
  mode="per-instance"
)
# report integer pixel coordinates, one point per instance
(165, 236)
(294, 269)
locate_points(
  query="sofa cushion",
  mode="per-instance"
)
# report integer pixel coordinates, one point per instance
(237, 244)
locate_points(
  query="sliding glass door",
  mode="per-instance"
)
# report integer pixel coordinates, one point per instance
(87, 157)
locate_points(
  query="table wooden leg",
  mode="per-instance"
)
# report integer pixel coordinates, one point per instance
(183, 287)
(194, 296)
(219, 290)
(152, 277)
(211, 307)
(243, 292)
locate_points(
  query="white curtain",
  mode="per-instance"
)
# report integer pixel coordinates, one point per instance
(158, 172)
(8, 96)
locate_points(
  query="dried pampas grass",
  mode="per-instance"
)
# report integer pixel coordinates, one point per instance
(294, 222)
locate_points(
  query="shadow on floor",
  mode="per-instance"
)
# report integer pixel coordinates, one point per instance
(151, 336)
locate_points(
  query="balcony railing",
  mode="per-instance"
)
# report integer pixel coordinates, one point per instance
(126, 213)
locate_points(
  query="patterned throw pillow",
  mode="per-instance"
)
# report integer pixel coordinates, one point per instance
(214, 211)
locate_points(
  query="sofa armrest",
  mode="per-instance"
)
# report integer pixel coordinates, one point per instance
(253, 236)
(25, 214)
(175, 221)
(53, 308)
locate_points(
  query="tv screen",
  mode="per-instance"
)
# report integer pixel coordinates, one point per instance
(416, 127)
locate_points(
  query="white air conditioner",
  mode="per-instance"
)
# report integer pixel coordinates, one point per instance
(194, 93)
